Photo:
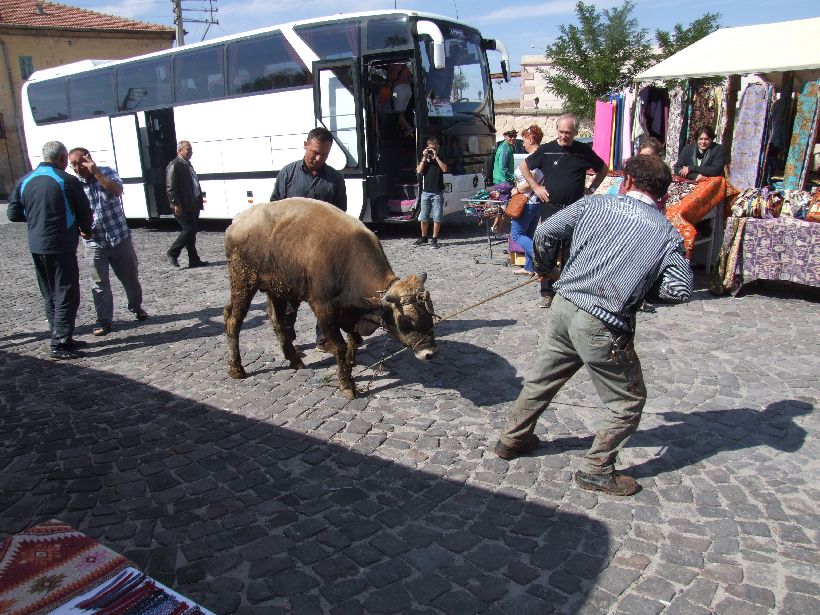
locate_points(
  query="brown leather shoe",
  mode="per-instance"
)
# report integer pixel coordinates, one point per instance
(613, 484)
(511, 452)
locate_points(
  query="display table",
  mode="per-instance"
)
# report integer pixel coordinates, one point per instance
(784, 249)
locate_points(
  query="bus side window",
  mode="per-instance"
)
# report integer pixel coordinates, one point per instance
(199, 75)
(265, 64)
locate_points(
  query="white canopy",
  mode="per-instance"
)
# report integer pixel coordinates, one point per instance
(765, 48)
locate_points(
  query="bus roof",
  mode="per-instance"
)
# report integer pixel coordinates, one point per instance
(84, 65)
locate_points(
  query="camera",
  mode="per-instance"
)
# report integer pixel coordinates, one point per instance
(429, 154)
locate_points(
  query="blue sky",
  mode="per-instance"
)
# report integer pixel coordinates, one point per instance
(525, 26)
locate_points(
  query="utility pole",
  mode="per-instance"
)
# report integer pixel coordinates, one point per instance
(180, 20)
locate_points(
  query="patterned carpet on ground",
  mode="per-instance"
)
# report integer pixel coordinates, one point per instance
(52, 568)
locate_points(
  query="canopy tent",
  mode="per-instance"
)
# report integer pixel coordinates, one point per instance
(765, 48)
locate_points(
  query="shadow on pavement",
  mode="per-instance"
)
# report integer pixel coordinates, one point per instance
(231, 510)
(695, 436)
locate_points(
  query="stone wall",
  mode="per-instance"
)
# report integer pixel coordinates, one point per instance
(508, 116)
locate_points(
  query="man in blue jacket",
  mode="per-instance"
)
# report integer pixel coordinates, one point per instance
(55, 207)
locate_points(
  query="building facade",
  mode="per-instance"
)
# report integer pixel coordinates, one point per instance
(36, 35)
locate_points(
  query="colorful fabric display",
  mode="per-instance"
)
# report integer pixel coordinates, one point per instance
(704, 111)
(674, 126)
(727, 274)
(692, 208)
(805, 126)
(602, 130)
(749, 129)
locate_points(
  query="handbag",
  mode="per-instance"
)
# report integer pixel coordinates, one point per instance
(516, 205)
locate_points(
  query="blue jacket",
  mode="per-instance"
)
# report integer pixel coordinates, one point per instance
(55, 207)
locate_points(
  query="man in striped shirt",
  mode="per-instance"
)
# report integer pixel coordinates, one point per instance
(623, 250)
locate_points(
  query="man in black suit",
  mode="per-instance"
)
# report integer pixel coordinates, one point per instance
(185, 197)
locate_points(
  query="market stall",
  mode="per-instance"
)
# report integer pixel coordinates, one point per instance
(758, 88)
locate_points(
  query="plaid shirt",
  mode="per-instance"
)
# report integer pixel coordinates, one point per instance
(109, 227)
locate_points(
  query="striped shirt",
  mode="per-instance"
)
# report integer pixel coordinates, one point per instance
(623, 250)
(109, 227)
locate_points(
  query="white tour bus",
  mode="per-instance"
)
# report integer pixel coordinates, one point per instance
(246, 102)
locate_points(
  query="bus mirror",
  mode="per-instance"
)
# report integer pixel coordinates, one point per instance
(505, 71)
(438, 55)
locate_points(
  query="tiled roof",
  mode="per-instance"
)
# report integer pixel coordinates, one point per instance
(34, 13)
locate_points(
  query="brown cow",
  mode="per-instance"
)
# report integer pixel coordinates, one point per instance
(301, 249)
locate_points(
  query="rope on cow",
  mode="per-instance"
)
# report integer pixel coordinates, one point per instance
(380, 362)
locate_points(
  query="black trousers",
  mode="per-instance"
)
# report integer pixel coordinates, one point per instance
(58, 276)
(547, 210)
(188, 222)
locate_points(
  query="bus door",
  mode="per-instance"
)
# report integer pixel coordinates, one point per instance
(128, 161)
(337, 105)
(160, 148)
(390, 122)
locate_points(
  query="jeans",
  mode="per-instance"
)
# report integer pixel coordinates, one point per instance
(58, 276)
(575, 338)
(523, 228)
(432, 202)
(122, 259)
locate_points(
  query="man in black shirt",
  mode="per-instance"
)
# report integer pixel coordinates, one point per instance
(310, 177)
(432, 169)
(564, 163)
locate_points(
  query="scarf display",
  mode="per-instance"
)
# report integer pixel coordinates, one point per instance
(802, 141)
(750, 128)
(674, 126)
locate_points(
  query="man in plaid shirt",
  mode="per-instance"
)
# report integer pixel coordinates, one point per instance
(110, 242)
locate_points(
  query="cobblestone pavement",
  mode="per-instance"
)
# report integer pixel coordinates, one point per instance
(275, 495)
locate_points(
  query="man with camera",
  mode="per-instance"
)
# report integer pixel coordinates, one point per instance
(432, 169)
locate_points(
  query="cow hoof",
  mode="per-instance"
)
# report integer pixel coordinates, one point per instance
(297, 364)
(238, 373)
(348, 393)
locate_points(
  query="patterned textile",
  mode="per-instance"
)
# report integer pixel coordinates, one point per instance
(726, 274)
(749, 129)
(691, 209)
(704, 110)
(49, 564)
(731, 90)
(805, 127)
(782, 249)
(674, 127)
(678, 189)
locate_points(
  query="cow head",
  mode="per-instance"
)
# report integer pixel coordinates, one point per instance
(407, 313)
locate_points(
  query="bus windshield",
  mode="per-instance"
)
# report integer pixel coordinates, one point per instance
(462, 86)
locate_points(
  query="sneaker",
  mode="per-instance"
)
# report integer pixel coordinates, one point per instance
(546, 301)
(612, 484)
(63, 354)
(434, 243)
(198, 264)
(140, 314)
(73, 344)
(172, 260)
(510, 452)
(420, 241)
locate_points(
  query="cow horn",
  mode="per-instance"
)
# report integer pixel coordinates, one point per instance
(422, 276)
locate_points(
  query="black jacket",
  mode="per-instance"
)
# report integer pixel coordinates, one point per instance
(714, 160)
(55, 207)
(180, 185)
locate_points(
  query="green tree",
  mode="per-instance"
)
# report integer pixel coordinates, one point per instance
(681, 37)
(599, 55)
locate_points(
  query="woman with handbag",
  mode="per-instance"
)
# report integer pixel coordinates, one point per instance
(522, 227)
